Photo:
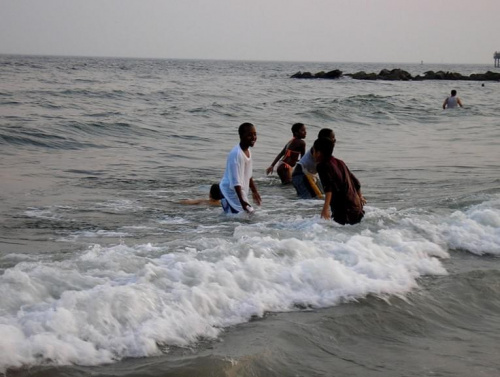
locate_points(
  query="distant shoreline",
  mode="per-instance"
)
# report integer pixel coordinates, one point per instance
(399, 75)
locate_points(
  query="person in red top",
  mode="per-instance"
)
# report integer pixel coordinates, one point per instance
(342, 189)
(291, 153)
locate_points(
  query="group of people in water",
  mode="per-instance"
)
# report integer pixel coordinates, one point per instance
(315, 173)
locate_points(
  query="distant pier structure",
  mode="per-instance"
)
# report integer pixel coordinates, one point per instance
(496, 56)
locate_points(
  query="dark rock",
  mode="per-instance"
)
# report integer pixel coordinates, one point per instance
(493, 76)
(399, 74)
(302, 75)
(429, 75)
(362, 75)
(439, 75)
(335, 74)
(456, 76)
(384, 73)
(395, 75)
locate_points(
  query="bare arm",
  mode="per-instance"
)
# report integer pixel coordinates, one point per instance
(325, 212)
(244, 204)
(210, 202)
(255, 193)
(302, 148)
(361, 198)
(269, 170)
(444, 103)
(459, 102)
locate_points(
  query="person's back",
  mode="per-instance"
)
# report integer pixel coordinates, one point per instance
(346, 205)
(342, 189)
(452, 101)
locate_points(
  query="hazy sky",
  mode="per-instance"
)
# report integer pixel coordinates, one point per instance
(435, 31)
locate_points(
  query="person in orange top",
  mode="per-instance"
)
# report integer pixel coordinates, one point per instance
(290, 154)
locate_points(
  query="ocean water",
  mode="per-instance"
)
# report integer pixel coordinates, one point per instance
(104, 273)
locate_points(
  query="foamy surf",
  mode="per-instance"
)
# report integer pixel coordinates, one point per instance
(122, 301)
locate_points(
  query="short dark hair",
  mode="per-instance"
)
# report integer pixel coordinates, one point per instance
(215, 193)
(324, 145)
(453, 92)
(244, 127)
(325, 132)
(296, 128)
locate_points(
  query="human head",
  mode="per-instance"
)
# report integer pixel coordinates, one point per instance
(322, 149)
(299, 130)
(248, 135)
(453, 92)
(215, 193)
(328, 133)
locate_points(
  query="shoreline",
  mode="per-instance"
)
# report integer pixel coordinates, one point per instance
(399, 75)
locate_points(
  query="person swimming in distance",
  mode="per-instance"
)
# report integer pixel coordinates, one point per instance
(452, 101)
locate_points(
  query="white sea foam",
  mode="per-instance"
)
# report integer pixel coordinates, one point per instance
(123, 301)
(118, 206)
(171, 220)
(116, 302)
(476, 230)
(42, 213)
(93, 234)
(18, 257)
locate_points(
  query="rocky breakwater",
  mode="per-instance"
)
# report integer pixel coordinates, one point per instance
(399, 75)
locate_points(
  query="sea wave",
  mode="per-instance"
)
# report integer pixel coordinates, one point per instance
(118, 301)
(121, 301)
(42, 140)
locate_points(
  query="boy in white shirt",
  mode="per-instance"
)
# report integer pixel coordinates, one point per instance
(237, 179)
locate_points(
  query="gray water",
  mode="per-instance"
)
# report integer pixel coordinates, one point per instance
(103, 272)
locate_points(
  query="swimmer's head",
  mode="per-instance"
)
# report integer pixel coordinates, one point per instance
(453, 92)
(328, 133)
(322, 149)
(215, 193)
(299, 130)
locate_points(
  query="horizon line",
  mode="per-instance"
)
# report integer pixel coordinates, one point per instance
(421, 62)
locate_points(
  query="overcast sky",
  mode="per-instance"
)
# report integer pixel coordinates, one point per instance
(399, 31)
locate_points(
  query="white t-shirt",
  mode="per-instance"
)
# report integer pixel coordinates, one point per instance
(451, 102)
(308, 163)
(238, 173)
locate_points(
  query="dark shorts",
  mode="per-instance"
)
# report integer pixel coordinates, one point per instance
(301, 184)
(350, 218)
